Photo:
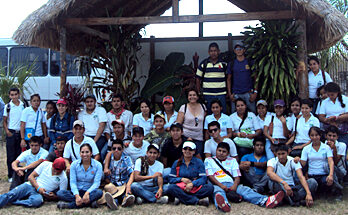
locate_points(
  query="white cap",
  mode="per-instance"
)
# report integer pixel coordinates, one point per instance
(78, 122)
(190, 144)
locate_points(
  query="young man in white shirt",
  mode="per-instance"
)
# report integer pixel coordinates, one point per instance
(281, 170)
(12, 126)
(137, 148)
(43, 181)
(94, 119)
(32, 158)
(223, 172)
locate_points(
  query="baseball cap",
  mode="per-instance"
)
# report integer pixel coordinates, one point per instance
(239, 44)
(153, 146)
(62, 101)
(279, 102)
(62, 138)
(118, 121)
(189, 144)
(159, 115)
(90, 96)
(168, 99)
(261, 102)
(59, 164)
(176, 125)
(78, 122)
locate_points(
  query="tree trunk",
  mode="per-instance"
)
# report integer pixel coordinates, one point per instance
(301, 70)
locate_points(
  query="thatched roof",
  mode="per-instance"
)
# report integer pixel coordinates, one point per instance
(325, 25)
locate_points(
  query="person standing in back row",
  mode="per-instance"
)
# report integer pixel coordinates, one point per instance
(212, 73)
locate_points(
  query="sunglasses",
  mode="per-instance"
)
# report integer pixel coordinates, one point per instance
(188, 148)
(213, 130)
(196, 121)
(116, 148)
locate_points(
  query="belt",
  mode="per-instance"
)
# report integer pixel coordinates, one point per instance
(14, 131)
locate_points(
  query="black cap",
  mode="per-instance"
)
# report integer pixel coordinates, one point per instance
(176, 125)
(90, 96)
(62, 138)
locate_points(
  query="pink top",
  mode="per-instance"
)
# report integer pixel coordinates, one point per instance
(191, 128)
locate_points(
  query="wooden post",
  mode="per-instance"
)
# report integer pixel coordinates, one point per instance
(152, 48)
(230, 42)
(200, 27)
(175, 7)
(301, 70)
(63, 65)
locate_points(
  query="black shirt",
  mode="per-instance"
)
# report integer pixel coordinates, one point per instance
(171, 152)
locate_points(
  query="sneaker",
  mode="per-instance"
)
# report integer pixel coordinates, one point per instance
(339, 198)
(128, 200)
(176, 201)
(222, 204)
(9, 180)
(110, 202)
(139, 200)
(94, 204)
(204, 202)
(274, 200)
(162, 200)
(62, 205)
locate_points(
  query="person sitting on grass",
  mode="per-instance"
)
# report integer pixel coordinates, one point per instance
(254, 166)
(281, 170)
(223, 172)
(43, 182)
(148, 179)
(32, 158)
(188, 180)
(85, 177)
(159, 134)
(138, 146)
(118, 169)
(60, 145)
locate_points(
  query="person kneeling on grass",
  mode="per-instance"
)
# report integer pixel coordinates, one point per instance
(148, 185)
(85, 177)
(223, 172)
(43, 181)
(188, 181)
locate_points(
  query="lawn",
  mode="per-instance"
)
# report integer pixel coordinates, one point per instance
(320, 207)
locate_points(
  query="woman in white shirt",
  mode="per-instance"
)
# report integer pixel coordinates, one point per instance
(144, 119)
(295, 112)
(262, 112)
(168, 111)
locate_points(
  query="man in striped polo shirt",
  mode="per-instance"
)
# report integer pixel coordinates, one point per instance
(212, 73)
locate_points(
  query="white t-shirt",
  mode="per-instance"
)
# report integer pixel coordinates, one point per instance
(225, 123)
(303, 128)
(27, 157)
(286, 172)
(147, 125)
(277, 127)
(29, 117)
(135, 152)
(329, 108)
(171, 120)
(316, 81)
(250, 122)
(262, 122)
(230, 164)
(290, 121)
(14, 120)
(68, 153)
(341, 150)
(156, 167)
(48, 121)
(317, 160)
(126, 117)
(211, 145)
(92, 120)
(48, 181)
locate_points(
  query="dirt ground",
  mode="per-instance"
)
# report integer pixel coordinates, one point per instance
(320, 207)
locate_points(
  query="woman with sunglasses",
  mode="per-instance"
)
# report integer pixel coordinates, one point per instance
(191, 116)
(188, 180)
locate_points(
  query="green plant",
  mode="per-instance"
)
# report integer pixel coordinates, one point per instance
(273, 46)
(74, 97)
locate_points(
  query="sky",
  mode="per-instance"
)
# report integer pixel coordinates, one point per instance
(13, 12)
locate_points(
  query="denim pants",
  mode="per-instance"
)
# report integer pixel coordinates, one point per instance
(245, 97)
(13, 150)
(16, 196)
(258, 182)
(146, 192)
(190, 198)
(209, 99)
(166, 173)
(101, 143)
(68, 196)
(268, 150)
(199, 147)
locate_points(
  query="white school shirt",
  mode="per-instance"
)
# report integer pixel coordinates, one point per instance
(341, 150)
(230, 165)
(286, 172)
(329, 108)
(156, 167)
(14, 120)
(68, 153)
(91, 121)
(135, 152)
(250, 122)
(28, 158)
(317, 160)
(211, 145)
(290, 121)
(126, 117)
(171, 120)
(262, 122)
(147, 125)
(225, 123)
(48, 121)
(29, 117)
(277, 127)
(316, 81)
(303, 128)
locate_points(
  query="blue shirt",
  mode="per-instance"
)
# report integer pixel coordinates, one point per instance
(195, 171)
(242, 80)
(2, 106)
(85, 180)
(60, 127)
(28, 157)
(251, 158)
(120, 170)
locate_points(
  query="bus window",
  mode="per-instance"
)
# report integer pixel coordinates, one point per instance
(28, 55)
(72, 69)
(3, 57)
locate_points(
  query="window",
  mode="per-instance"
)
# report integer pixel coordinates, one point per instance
(3, 57)
(28, 56)
(72, 69)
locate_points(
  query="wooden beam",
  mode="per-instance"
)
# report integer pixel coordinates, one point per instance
(63, 64)
(230, 42)
(200, 26)
(175, 12)
(270, 15)
(152, 49)
(301, 70)
(91, 31)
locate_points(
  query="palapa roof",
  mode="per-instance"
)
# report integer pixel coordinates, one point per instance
(325, 25)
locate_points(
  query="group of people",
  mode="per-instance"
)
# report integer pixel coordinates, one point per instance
(196, 155)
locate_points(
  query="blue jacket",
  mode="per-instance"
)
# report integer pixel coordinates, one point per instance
(59, 127)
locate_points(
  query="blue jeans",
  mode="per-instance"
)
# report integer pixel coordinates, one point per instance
(146, 192)
(101, 143)
(209, 99)
(268, 150)
(246, 98)
(258, 182)
(68, 196)
(13, 150)
(16, 195)
(190, 198)
(166, 173)
(199, 147)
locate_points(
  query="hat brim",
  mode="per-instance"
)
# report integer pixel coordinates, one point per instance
(120, 191)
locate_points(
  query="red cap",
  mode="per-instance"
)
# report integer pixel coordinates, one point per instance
(62, 101)
(168, 99)
(59, 164)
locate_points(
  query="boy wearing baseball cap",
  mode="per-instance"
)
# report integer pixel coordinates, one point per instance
(158, 135)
